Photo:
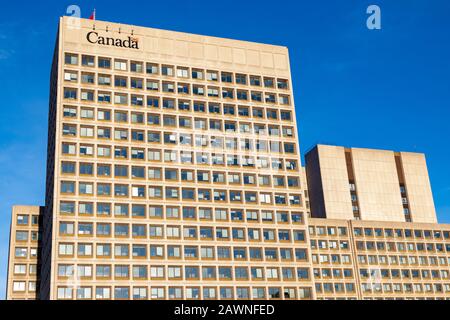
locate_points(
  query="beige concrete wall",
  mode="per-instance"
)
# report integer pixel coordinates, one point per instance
(379, 250)
(377, 185)
(335, 182)
(21, 279)
(180, 48)
(325, 247)
(378, 175)
(177, 50)
(418, 187)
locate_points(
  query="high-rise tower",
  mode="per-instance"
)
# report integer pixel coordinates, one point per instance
(173, 168)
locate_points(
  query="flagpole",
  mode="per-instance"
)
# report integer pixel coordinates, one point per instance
(92, 16)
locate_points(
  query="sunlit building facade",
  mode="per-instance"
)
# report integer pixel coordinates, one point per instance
(174, 172)
(356, 259)
(369, 184)
(24, 253)
(174, 169)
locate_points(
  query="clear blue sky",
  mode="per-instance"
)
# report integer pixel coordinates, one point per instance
(385, 89)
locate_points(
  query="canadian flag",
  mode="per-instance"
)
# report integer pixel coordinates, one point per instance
(92, 16)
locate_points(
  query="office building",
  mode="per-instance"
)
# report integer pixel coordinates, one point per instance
(357, 259)
(173, 168)
(368, 184)
(374, 233)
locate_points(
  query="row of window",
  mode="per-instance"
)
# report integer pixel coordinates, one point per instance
(24, 269)
(416, 274)
(183, 156)
(187, 89)
(327, 231)
(120, 171)
(142, 251)
(125, 99)
(177, 232)
(331, 244)
(338, 287)
(382, 246)
(335, 273)
(122, 65)
(174, 292)
(387, 288)
(25, 219)
(403, 260)
(103, 209)
(187, 273)
(184, 140)
(381, 232)
(402, 246)
(331, 259)
(214, 109)
(398, 288)
(176, 193)
(401, 233)
(26, 235)
(21, 287)
(201, 140)
(382, 260)
(25, 252)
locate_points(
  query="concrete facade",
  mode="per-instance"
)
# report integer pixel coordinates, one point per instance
(174, 172)
(356, 259)
(368, 184)
(24, 253)
(176, 161)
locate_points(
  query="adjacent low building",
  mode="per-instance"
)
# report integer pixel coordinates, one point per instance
(373, 230)
(369, 184)
(24, 253)
(355, 259)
